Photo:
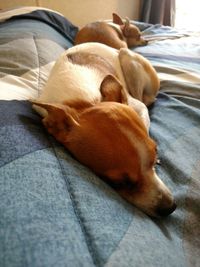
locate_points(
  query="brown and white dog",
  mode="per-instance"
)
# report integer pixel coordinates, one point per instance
(87, 106)
(116, 34)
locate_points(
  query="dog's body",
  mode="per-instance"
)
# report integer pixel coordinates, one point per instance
(80, 109)
(118, 63)
(117, 34)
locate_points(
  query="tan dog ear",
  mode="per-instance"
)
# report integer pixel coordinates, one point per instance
(126, 27)
(112, 90)
(59, 120)
(117, 19)
(133, 72)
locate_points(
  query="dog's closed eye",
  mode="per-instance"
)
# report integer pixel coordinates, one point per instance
(124, 183)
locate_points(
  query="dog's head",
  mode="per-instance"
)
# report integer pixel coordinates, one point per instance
(111, 140)
(131, 32)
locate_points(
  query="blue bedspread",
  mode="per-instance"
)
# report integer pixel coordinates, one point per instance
(56, 212)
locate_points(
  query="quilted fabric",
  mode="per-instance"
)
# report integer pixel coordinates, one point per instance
(54, 210)
(29, 48)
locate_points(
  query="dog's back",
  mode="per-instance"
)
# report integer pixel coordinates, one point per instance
(101, 32)
(117, 34)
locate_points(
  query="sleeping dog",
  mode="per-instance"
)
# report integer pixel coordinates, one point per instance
(87, 106)
(116, 34)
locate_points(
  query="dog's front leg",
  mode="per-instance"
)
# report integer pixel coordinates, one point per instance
(141, 109)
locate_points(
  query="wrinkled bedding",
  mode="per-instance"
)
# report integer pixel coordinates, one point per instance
(56, 212)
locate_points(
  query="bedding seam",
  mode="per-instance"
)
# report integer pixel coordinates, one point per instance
(118, 245)
(21, 156)
(38, 59)
(84, 232)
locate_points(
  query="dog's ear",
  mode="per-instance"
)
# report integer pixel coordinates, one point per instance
(134, 79)
(117, 19)
(112, 90)
(126, 28)
(60, 119)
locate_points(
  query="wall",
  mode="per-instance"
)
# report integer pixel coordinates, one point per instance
(81, 12)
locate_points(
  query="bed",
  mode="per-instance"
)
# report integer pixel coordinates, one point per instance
(56, 212)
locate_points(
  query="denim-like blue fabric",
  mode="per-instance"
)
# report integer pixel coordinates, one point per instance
(56, 212)
(53, 210)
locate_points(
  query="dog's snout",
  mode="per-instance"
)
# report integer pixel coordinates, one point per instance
(162, 212)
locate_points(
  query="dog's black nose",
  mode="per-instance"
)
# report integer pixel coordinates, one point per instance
(162, 212)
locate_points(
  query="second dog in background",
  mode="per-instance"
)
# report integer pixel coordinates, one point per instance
(117, 34)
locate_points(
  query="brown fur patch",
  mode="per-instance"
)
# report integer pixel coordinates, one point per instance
(92, 60)
(100, 32)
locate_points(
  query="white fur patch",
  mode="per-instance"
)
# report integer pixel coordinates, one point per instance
(70, 82)
(108, 53)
